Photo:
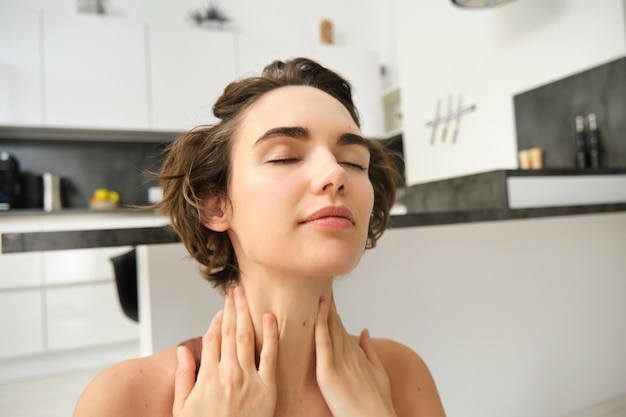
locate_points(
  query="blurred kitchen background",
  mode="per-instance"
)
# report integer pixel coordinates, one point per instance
(92, 91)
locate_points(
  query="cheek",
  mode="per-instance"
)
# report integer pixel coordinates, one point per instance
(367, 193)
(259, 197)
(365, 202)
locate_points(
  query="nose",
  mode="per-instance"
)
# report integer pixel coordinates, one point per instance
(330, 177)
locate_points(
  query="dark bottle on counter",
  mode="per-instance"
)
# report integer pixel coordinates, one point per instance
(594, 141)
(581, 150)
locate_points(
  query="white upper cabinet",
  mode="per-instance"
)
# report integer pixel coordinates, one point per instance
(100, 72)
(189, 68)
(362, 70)
(95, 72)
(453, 59)
(254, 53)
(20, 68)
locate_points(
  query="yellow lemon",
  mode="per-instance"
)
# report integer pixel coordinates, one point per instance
(101, 194)
(114, 196)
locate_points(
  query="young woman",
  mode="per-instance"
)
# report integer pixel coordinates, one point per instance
(275, 200)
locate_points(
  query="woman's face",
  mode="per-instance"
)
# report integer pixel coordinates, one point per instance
(300, 195)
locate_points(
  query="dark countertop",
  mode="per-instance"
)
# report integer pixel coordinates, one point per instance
(471, 216)
(81, 134)
(489, 191)
(60, 240)
(84, 239)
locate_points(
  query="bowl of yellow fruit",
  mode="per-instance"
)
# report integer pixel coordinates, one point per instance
(104, 199)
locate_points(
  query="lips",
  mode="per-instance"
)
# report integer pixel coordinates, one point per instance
(334, 216)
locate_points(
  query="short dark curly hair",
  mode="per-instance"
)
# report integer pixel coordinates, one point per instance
(198, 164)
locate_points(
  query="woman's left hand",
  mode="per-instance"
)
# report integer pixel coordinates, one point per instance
(350, 375)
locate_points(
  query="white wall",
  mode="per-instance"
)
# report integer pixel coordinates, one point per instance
(515, 318)
(488, 56)
(359, 24)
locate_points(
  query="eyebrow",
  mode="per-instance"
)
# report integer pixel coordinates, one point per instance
(352, 139)
(290, 132)
(297, 132)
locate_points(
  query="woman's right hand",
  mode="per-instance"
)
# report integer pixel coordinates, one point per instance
(228, 381)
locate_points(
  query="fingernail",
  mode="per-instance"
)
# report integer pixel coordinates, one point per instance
(268, 319)
(238, 291)
(179, 354)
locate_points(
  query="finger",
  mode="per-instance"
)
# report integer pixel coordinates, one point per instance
(229, 330)
(184, 378)
(323, 342)
(245, 331)
(365, 342)
(212, 342)
(269, 351)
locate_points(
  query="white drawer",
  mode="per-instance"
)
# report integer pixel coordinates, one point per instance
(19, 270)
(86, 315)
(79, 265)
(565, 190)
(21, 326)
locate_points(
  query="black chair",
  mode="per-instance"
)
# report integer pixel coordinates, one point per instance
(125, 269)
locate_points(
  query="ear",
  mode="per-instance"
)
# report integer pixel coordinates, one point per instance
(215, 214)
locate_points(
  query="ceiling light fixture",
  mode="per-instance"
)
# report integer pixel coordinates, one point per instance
(479, 4)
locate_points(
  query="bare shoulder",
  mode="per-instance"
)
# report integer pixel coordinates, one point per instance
(136, 387)
(413, 389)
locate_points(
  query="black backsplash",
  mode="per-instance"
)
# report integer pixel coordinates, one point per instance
(85, 166)
(545, 116)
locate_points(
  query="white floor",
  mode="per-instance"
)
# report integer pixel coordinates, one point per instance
(52, 396)
(613, 407)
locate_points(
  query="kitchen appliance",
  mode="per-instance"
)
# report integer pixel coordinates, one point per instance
(51, 192)
(10, 187)
(32, 190)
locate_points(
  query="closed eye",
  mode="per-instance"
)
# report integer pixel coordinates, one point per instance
(283, 160)
(354, 166)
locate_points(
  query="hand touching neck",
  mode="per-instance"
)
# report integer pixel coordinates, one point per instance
(294, 302)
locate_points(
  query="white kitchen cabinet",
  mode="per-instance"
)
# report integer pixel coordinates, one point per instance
(90, 264)
(189, 68)
(95, 72)
(82, 305)
(85, 316)
(79, 265)
(20, 68)
(254, 53)
(362, 70)
(452, 58)
(60, 301)
(19, 270)
(21, 323)
(102, 72)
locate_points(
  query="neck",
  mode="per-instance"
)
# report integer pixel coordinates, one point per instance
(294, 302)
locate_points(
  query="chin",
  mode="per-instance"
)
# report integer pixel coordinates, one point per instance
(333, 263)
